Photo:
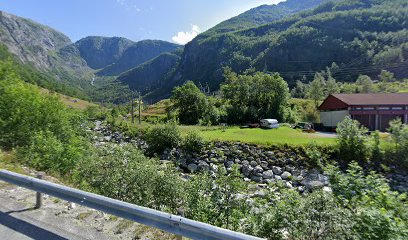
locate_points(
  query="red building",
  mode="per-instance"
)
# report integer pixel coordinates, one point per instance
(373, 110)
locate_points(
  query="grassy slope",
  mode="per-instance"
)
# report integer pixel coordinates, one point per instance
(71, 102)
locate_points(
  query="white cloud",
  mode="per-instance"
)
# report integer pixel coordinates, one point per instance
(185, 37)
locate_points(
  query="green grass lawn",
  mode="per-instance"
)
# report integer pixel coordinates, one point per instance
(259, 136)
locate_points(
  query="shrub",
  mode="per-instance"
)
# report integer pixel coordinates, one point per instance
(314, 154)
(400, 139)
(193, 141)
(379, 213)
(293, 216)
(124, 173)
(47, 152)
(214, 201)
(95, 112)
(352, 140)
(163, 136)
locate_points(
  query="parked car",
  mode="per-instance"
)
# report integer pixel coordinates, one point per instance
(269, 123)
(304, 126)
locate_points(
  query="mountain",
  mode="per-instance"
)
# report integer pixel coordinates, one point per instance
(48, 58)
(261, 15)
(152, 74)
(360, 37)
(99, 52)
(136, 54)
(43, 51)
(30, 41)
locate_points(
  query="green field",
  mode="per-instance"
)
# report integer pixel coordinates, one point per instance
(282, 135)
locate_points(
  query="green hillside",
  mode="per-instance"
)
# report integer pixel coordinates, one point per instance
(360, 37)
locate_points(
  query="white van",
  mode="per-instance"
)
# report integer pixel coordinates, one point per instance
(269, 123)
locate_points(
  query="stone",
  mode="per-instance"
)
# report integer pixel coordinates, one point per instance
(256, 178)
(267, 174)
(264, 165)
(203, 166)
(247, 170)
(277, 170)
(286, 175)
(260, 194)
(327, 189)
(312, 184)
(229, 164)
(289, 185)
(192, 167)
(245, 162)
(213, 167)
(269, 181)
(278, 178)
(253, 163)
(258, 170)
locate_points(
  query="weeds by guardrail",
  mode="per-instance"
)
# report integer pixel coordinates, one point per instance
(164, 221)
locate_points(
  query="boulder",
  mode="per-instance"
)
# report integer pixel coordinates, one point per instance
(247, 170)
(256, 178)
(192, 167)
(253, 163)
(314, 180)
(286, 175)
(267, 174)
(229, 164)
(277, 170)
(203, 166)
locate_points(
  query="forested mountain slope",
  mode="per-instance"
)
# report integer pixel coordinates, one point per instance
(136, 54)
(262, 15)
(361, 37)
(152, 74)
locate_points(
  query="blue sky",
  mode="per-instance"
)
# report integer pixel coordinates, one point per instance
(170, 20)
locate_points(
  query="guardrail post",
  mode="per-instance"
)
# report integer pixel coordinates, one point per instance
(38, 200)
(180, 212)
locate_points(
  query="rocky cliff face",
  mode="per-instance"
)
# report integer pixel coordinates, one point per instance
(30, 41)
(44, 48)
(99, 52)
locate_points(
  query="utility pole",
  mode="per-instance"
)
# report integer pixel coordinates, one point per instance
(133, 108)
(140, 103)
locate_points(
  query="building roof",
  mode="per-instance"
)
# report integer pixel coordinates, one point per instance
(336, 101)
(374, 98)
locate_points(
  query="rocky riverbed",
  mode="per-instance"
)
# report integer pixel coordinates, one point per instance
(259, 165)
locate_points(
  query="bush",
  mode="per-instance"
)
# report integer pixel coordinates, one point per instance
(124, 173)
(293, 216)
(314, 154)
(193, 141)
(378, 212)
(214, 201)
(352, 140)
(400, 139)
(360, 206)
(95, 112)
(47, 152)
(161, 137)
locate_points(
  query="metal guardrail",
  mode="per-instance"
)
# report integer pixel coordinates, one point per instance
(164, 221)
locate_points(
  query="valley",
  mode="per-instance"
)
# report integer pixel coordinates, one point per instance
(287, 121)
